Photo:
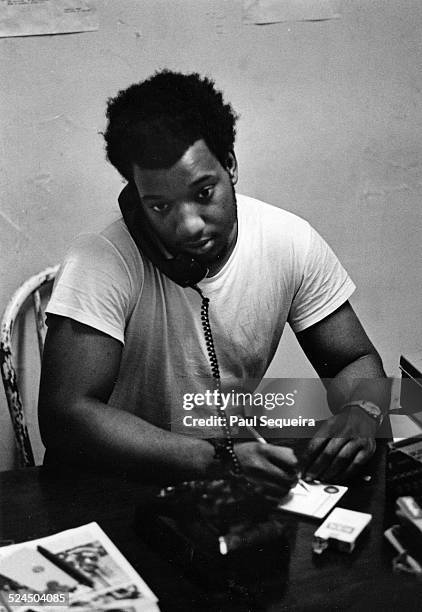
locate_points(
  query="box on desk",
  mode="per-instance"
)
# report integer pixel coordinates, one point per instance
(404, 468)
(411, 386)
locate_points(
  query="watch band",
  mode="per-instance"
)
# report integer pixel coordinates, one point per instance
(371, 409)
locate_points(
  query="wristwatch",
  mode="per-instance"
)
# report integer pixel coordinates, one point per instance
(371, 409)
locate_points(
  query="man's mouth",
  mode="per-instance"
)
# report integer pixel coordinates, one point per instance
(199, 246)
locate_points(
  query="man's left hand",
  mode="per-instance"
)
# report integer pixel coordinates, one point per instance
(343, 444)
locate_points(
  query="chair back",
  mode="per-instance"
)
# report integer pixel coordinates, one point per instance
(31, 287)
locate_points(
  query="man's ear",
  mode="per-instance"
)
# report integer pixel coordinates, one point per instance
(231, 167)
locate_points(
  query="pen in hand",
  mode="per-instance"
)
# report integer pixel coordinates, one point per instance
(262, 440)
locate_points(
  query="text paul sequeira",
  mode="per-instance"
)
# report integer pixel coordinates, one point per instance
(251, 421)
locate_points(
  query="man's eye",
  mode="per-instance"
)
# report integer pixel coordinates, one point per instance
(160, 207)
(205, 193)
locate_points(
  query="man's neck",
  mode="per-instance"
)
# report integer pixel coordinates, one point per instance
(221, 261)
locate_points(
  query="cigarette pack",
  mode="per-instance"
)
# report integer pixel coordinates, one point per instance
(340, 529)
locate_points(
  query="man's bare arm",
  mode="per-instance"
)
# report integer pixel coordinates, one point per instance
(345, 359)
(351, 369)
(80, 366)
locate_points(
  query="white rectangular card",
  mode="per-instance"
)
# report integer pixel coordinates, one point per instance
(316, 502)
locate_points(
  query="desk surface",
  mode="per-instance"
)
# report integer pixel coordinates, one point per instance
(34, 503)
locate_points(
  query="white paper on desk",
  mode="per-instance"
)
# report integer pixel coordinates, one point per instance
(317, 502)
(117, 580)
(39, 17)
(28, 567)
(259, 12)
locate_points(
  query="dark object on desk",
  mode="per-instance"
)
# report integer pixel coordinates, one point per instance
(222, 533)
(411, 386)
(406, 537)
(409, 513)
(404, 468)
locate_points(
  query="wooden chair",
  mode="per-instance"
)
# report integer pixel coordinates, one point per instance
(31, 287)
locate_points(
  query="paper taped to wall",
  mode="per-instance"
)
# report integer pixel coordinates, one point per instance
(40, 17)
(260, 12)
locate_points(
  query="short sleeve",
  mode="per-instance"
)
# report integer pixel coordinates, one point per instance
(324, 285)
(93, 286)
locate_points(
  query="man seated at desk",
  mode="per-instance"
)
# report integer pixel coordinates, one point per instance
(123, 329)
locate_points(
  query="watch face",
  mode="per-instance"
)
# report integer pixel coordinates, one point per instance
(372, 410)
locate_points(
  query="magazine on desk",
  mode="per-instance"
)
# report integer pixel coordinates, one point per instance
(103, 580)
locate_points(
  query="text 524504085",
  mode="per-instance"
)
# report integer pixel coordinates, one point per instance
(38, 599)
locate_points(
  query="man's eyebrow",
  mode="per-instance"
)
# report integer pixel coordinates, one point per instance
(153, 197)
(202, 179)
(195, 183)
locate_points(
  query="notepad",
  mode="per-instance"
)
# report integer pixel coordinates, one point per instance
(317, 502)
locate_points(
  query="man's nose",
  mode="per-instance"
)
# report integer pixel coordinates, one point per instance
(189, 221)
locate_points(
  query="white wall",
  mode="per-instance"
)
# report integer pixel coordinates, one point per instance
(330, 128)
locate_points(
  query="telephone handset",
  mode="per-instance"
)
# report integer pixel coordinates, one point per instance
(182, 269)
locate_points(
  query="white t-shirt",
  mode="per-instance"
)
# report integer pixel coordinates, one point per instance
(280, 271)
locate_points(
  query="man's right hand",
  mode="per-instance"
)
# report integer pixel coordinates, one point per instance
(273, 468)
